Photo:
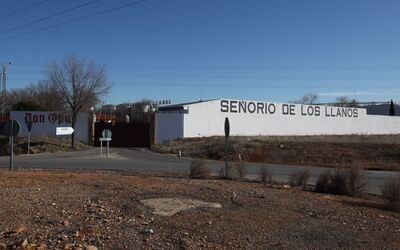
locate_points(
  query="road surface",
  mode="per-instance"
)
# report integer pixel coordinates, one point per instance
(143, 160)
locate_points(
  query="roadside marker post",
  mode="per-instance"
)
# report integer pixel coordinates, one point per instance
(11, 129)
(107, 138)
(29, 127)
(227, 131)
(64, 131)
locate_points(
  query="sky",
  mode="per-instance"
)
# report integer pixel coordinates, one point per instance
(186, 50)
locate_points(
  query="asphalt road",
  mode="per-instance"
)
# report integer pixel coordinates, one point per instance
(142, 160)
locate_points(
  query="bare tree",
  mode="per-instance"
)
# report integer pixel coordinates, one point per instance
(307, 99)
(47, 96)
(139, 111)
(37, 96)
(80, 83)
(344, 101)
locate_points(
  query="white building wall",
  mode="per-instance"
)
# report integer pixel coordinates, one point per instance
(207, 119)
(169, 126)
(45, 123)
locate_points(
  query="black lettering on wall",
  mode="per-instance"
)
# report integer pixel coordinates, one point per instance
(338, 114)
(251, 107)
(345, 112)
(292, 109)
(355, 112)
(272, 108)
(285, 109)
(224, 106)
(233, 107)
(310, 110)
(242, 107)
(303, 113)
(260, 107)
(317, 111)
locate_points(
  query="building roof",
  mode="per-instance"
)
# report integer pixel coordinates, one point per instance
(180, 106)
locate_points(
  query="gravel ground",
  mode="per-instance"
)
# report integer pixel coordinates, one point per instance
(102, 210)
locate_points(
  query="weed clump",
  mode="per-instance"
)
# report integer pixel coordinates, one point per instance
(264, 175)
(241, 170)
(299, 178)
(356, 181)
(391, 192)
(236, 171)
(341, 181)
(199, 169)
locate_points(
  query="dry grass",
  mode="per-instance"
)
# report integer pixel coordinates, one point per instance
(199, 169)
(236, 171)
(386, 139)
(356, 181)
(332, 182)
(300, 177)
(231, 172)
(391, 192)
(40, 144)
(241, 169)
(264, 175)
(222, 172)
(367, 151)
(351, 182)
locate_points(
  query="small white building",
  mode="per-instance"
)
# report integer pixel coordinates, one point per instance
(257, 118)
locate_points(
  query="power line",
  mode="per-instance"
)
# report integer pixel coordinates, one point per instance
(231, 85)
(22, 9)
(49, 17)
(228, 68)
(74, 20)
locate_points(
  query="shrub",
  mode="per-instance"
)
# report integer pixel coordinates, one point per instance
(341, 182)
(265, 175)
(241, 170)
(324, 182)
(356, 181)
(199, 169)
(232, 172)
(222, 172)
(332, 182)
(299, 177)
(391, 192)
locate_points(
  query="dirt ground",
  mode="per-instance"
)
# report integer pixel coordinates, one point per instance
(105, 210)
(364, 151)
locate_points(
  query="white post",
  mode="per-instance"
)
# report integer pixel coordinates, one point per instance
(101, 149)
(108, 148)
(29, 141)
(12, 146)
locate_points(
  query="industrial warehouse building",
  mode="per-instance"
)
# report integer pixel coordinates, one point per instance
(255, 118)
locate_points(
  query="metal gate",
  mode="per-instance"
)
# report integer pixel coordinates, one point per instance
(124, 134)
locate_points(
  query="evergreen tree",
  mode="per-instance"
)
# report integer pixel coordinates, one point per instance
(391, 108)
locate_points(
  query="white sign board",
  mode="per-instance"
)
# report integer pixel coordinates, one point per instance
(45, 123)
(105, 139)
(64, 130)
(106, 133)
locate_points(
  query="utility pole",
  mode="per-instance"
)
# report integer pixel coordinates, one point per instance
(4, 87)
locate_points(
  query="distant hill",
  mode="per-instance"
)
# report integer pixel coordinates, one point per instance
(382, 109)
